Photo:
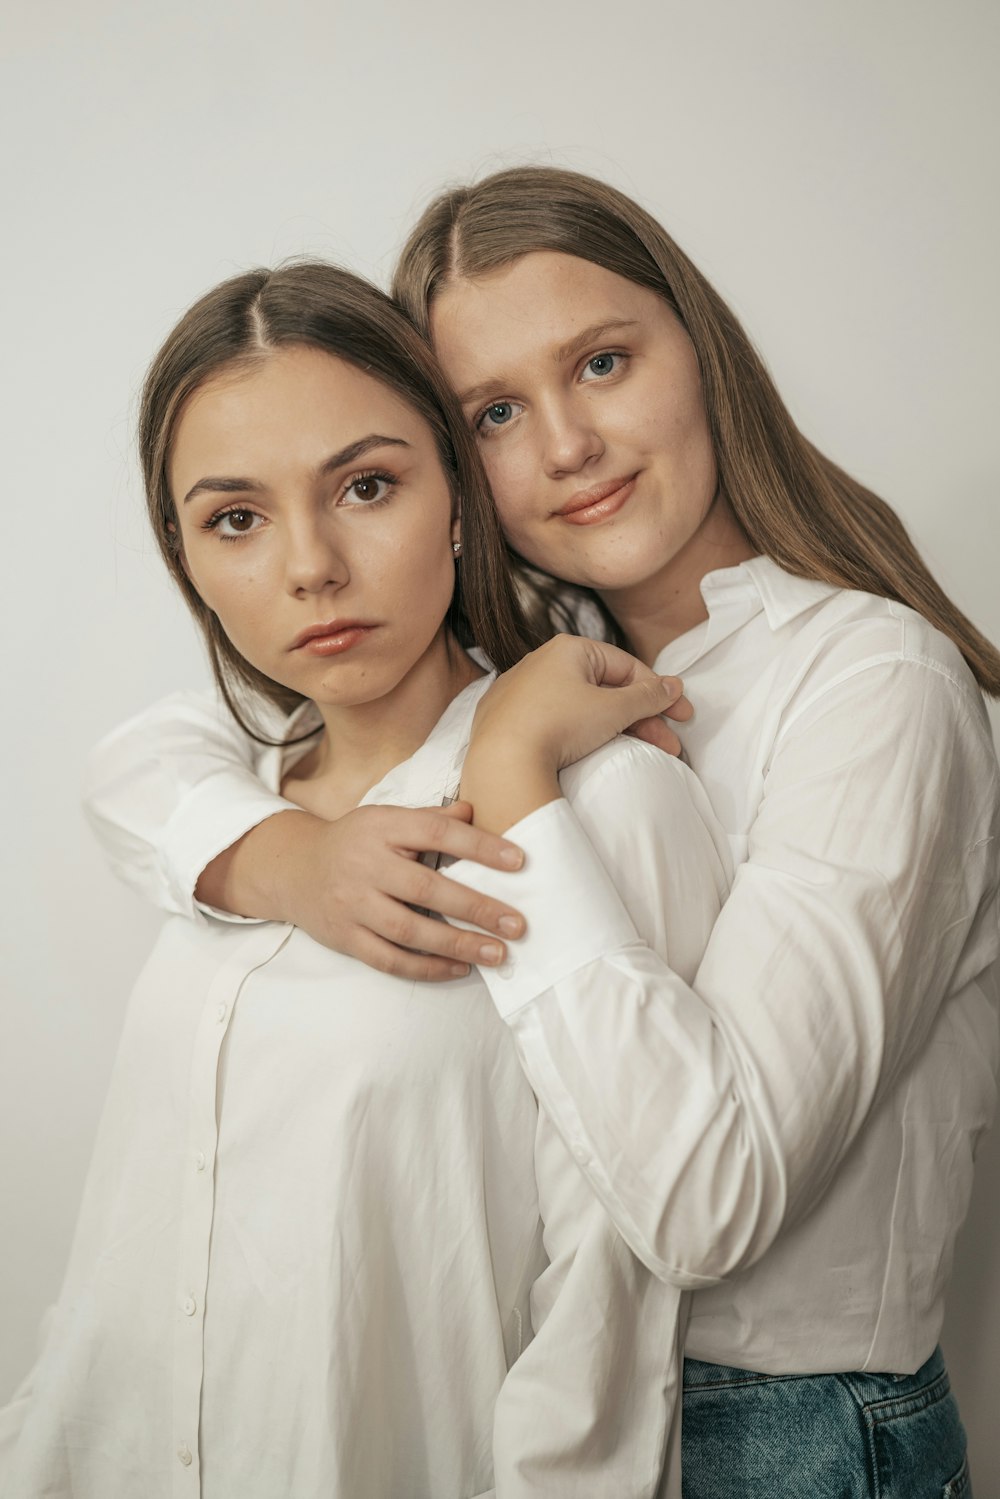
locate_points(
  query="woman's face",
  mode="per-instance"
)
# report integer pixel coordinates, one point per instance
(585, 394)
(317, 523)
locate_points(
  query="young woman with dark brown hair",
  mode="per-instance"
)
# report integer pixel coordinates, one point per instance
(311, 1243)
(791, 1134)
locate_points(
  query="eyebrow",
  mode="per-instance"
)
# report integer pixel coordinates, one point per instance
(564, 351)
(591, 335)
(354, 450)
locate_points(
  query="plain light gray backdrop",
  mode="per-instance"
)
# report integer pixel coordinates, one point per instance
(831, 166)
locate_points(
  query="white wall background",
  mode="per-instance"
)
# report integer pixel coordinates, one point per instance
(831, 165)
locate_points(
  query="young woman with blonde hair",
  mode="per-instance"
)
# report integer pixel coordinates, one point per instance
(791, 1134)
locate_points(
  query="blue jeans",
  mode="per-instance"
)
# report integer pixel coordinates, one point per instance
(825, 1436)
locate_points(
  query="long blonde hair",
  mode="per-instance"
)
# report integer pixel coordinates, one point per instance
(794, 504)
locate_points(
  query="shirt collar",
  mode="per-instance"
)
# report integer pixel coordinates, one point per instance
(735, 595)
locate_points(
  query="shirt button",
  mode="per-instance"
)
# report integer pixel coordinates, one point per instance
(222, 1012)
(184, 1453)
(199, 1160)
(189, 1305)
(581, 1154)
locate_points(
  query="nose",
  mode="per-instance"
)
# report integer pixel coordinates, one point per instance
(314, 559)
(570, 436)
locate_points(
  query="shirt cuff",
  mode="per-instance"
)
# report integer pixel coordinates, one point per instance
(214, 815)
(573, 911)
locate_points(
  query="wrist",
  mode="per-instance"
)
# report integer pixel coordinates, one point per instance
(290, 847)
(254, 876)
(503, 787)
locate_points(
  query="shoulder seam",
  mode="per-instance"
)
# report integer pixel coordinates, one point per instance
(900, 657)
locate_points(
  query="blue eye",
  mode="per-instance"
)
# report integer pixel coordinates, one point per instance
(601, 366)
(498, 414)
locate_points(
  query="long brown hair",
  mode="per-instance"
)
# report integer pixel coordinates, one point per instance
(793, 503)
(321, 306)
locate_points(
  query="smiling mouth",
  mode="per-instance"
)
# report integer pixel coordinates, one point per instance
(597, 503)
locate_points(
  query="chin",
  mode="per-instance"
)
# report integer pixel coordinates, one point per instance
(612, 575)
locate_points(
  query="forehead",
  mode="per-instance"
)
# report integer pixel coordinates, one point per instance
(530, 308)
(293, 401)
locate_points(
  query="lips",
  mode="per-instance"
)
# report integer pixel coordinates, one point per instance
(331, 638)
(598, 502)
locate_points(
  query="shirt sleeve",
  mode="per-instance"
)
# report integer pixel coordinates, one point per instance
(708, 1108)
(592, 1404)
(169, 790)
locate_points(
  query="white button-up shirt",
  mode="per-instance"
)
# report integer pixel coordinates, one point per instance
(311, 1242)
(790, 1133)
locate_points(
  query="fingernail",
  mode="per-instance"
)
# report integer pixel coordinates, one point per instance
(512, 857)
(459, 970)
(509, 925)
(673, 684)
(490, 952)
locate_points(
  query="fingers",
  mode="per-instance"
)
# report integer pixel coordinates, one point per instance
(416, 885)
(460, 810)
(681, 709)
(377, 953)
(614, 667)
(655, 731)
(611, 666)
(646, 697)
(402, 927)
(444, 831)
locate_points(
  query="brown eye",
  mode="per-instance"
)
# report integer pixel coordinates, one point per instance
(368, 489)
(232, 523)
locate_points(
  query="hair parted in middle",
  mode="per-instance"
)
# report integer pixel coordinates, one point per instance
(320, 306)
(794, 504)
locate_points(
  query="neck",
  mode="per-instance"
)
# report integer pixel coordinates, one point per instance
(362, 742)
(668, 604)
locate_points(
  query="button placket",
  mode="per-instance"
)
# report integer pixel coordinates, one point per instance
(197, 1204)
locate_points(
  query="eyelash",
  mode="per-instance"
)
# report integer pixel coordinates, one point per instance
(479, 421)
(375, 473)
(213, 522)
(607, 354)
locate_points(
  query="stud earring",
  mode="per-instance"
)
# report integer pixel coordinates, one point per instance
(456, 547)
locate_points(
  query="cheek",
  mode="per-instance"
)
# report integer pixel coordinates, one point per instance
(233, 593)
(678, 426)
(513, 477)
(414, 581)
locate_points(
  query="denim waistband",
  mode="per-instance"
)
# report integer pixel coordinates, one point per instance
(868, 1384)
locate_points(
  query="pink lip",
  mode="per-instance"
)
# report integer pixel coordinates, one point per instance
(598, 502)
(331, 639)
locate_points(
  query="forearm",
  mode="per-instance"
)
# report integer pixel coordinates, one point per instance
(505, 787)
(252, 876)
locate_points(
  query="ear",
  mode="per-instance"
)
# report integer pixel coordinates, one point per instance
(456, 529)
(179, 549)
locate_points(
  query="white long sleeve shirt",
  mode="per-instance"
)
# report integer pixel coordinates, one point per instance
(791, 1132)
(311, 1243)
